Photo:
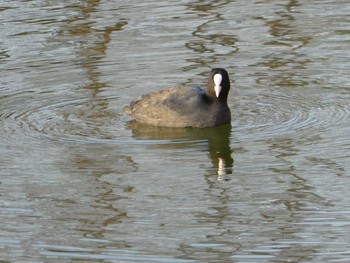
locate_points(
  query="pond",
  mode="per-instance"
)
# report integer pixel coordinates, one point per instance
(80, 181)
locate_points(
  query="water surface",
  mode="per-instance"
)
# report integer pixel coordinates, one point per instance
(81, 182)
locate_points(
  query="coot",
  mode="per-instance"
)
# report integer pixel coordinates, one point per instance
(186, 107)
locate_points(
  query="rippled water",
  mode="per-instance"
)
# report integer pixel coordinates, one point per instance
(81, 182)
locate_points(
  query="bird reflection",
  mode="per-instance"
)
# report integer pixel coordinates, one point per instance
(218, 139)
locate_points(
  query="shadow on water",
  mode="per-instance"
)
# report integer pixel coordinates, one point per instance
(218, 139)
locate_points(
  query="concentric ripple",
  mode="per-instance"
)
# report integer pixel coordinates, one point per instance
(286, 111)
(75, 119)
(262, 114)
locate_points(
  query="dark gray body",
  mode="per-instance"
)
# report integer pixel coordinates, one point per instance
(180, 107)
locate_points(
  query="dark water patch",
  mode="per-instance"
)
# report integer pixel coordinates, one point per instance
(214, 140)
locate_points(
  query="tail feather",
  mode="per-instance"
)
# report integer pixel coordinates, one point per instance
(128, 110)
